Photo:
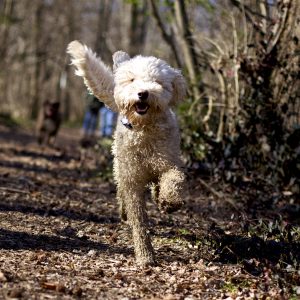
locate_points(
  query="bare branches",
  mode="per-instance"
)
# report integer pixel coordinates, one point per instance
(279, 27)
(250, 14)
(180, 39)
(168, 37)
(235, 67)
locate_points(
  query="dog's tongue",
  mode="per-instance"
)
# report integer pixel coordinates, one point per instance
(141, 107)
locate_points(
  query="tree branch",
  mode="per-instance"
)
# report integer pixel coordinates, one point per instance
(166, 36)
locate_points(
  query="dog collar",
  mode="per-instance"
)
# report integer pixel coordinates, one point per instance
(126, 123)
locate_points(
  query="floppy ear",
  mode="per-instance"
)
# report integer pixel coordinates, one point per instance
(119, 57)
(97, 75)
(179, 88)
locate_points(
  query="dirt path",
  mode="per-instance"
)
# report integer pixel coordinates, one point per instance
(61, 238)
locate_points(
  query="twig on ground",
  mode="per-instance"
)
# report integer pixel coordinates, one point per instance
(12, 190)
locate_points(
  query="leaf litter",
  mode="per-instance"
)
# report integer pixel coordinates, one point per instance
(61, 236)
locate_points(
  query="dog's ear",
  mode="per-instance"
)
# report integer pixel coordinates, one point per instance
(98, 77)
(179, 88)
(119, 57)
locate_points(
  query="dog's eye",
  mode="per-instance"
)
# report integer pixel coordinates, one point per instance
(131, 80)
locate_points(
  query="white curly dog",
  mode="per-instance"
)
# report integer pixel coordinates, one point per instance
(146, 148)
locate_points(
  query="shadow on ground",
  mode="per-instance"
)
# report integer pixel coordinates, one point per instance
(13, 240)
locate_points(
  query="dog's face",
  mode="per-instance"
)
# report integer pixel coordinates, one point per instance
(145, 86)
(51, 109)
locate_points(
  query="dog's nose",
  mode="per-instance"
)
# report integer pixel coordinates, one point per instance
(143, 95)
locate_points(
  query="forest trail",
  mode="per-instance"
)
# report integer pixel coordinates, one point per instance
(61, 237)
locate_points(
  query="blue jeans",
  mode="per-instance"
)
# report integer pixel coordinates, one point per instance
(89, 123)
(107, 121)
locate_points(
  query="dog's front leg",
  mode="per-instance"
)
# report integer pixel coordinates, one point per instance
(171, 186)
(136, 213)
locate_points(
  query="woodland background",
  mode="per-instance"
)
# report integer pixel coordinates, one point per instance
(240, 58)
(238, 235)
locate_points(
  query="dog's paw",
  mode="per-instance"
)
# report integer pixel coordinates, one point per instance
(170, 207)
(145, 262)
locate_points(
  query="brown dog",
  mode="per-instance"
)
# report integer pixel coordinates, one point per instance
(48, 122)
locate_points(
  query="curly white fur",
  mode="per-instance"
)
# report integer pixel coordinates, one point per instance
(144, 90)
(97, 76)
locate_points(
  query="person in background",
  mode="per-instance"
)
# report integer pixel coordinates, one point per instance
(90, 120)
(107, 122)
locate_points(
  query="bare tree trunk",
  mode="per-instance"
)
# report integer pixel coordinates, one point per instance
(38, 59)
(104, 16)
(64, 92)
(7, 6)
(4, 28)
(187, 45)
(179, 36)
(285, 77)
(138, 27)
(167, 36)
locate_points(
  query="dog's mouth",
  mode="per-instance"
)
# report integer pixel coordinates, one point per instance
(141, 108)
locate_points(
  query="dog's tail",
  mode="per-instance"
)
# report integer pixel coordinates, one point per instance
(97, 76)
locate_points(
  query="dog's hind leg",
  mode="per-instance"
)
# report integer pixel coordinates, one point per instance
(137, 217)
(171, 185)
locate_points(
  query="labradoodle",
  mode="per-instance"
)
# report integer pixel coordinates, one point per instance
(146, 148)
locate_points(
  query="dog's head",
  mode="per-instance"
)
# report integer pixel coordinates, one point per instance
(51, 108)
(145, 86)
